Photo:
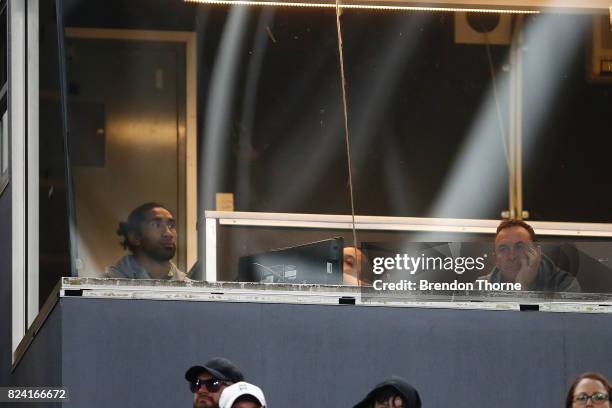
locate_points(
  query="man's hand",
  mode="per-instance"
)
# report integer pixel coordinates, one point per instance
(530, 263)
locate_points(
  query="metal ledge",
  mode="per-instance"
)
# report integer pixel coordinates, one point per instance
(330, 295)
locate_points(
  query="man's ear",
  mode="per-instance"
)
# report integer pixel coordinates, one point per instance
(134, 238)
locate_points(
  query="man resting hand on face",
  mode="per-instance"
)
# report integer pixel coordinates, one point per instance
(518, 259)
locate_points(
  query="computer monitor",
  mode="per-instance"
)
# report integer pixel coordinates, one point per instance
(316, 262)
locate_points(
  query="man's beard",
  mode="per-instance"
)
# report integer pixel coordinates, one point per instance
(204, 403)
(160, 253)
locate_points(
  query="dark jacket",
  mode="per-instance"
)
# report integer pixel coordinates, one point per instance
(407, 391)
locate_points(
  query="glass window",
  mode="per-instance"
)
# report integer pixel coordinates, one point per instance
(127, 119)
(262, 132)
(54, 240)
(241, 110)
(428, 109)
(566, 106)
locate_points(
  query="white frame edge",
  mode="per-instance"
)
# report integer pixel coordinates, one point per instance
(32, 160)
(364, 222)
(17, 111)
(211, 250)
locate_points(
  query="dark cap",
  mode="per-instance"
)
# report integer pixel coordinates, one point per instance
(219, 368)
(407, 391)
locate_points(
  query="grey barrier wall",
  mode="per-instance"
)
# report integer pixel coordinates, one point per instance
(133, 353)
(41, 365)
(5, 285)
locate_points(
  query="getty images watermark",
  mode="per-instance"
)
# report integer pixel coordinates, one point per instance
(404, 263)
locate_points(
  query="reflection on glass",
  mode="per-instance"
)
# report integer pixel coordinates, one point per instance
(438, 104)
(566, 111)
(269, 119)
(429, 102)
(273, 126)
(512, 261)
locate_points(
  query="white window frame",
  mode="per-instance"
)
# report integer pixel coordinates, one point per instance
(16, 105)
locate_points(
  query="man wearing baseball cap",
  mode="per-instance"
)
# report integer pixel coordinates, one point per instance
(208, 381)
(242, 395)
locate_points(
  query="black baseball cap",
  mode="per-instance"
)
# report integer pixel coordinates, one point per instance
(219, 367)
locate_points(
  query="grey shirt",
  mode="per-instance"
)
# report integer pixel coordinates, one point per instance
(129, 268)
(549, 278)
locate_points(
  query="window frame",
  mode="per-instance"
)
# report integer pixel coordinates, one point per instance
(17, 127)
(4, 133)
(23, 125)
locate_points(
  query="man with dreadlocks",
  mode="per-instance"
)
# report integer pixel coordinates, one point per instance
(150, 235)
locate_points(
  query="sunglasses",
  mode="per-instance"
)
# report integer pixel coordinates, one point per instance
(212, 385)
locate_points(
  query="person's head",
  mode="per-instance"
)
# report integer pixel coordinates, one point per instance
(388, 397)
(589, 390)
(150, 230)
(393, 392)
(207, 382)
(355, 268)
(242, 395)
(511, 242)
(247, 401)
(352, 261)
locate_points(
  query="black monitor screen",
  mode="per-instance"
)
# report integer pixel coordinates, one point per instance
(316, 262)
